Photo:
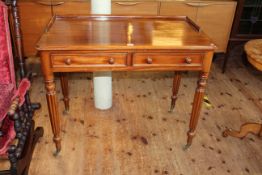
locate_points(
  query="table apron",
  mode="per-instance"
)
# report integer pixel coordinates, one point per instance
(137, 61)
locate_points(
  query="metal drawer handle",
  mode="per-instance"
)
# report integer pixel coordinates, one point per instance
(196, 4)
(57, 3)
(44, 3)
(67, 61)
(188, 60)
(111, 61)
(49, 3)
(128, 3)
(149, 60)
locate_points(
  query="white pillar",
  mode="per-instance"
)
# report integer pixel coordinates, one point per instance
(101, 7)
(102, 80)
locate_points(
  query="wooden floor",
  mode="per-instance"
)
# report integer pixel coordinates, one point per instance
(139, 137)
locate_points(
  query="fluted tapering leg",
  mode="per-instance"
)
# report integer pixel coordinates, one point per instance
(53, 112)
(176, 84)
(198, 100)
(65, 90)
(51, 100)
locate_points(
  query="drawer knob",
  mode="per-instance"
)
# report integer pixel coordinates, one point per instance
(67, 61)
(188, 60)
(149, 60)
(111, 61)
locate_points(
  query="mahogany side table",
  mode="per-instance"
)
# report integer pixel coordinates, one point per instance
(123, 43)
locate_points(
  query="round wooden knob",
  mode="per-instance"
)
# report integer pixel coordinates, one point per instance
(67, 61)
(111, 61)
(188, 60)
(149, 60)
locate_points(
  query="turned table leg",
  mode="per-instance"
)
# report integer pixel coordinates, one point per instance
(198, 100)
(176, 83)
(65, 90)
(245, 129)
(53, 112)
(51, 100)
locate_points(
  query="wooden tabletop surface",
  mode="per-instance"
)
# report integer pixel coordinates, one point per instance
(133, 1)
(125, 32)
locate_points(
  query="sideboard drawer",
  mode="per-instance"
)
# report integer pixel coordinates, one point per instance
(167, 59)
(134, 8)
(89, 60)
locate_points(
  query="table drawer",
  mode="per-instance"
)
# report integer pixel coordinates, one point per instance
(167, 59)
(89, 60)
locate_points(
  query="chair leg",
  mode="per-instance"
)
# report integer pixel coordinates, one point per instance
(5, 172)
(38, 133)
(26, 171)
(13, 160)
(176, 84)
(21, 166)
(65, 90)
(245, 129)
(33, 137)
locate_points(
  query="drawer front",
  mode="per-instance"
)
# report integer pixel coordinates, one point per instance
(89, 60)
(179, 8)
(134, 8)
(69, 8)
(167, 60)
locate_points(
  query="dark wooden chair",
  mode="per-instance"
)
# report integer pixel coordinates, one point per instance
(18, 135)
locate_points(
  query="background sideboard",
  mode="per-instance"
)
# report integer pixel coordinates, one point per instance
(214, 17)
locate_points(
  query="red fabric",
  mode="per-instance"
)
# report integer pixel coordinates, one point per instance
(8, 89)
(7, 74)
(7, 125)
(6, 94)
(21, 90)
(9, 135)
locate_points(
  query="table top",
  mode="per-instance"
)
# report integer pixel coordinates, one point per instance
(123, 32)
(134, 1)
